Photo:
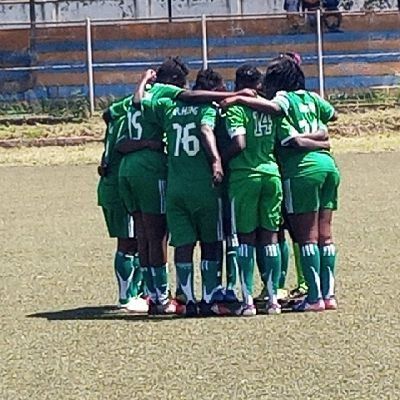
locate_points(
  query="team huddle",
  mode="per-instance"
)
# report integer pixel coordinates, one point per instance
(231, 171)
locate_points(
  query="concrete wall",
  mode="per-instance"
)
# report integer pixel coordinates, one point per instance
(75, 10)
(363, 54)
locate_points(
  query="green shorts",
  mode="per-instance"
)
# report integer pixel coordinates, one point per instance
(119, 222)
(194, 215)
(145, 193)
(256, 202)
(312, 192)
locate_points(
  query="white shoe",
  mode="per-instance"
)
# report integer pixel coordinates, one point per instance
(136, 305)
(246, 310)
(274, 308)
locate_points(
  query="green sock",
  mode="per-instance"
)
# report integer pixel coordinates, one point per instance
(185, 280)
(124, 268)
(135, 289)
(150, 286)
(142, 291)
(284, 248)
(261, 263)
(301, 282)
(209, 278)
(310, 260)
(160, 280)
(272, 262)
(328, 263)
(231, 264)
(245, 260)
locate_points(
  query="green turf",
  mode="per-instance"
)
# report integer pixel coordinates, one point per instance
(55, 264)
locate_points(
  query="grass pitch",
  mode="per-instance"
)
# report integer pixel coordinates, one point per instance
(58, 341)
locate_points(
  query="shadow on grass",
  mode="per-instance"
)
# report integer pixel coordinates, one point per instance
(109, 312)
(106, 312)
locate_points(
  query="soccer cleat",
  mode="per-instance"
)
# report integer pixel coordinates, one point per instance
(298, 292)
(220, 309)
(304, 306)
(274, 308)
(191, 309)
(263, 296)
(230, 296)
(330, 303)
(170, 307)
(136, 305)
(246, 310)
(218, 296)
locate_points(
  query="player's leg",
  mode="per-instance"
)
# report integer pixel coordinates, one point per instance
(153, 206)
(183, 237)
(244, 195)
(329, 195)
(301, 288)
(284, 247)
(128, 225)
(302, 205)
(270, 218)
(231, 246)
(206, 215)
(185, 277)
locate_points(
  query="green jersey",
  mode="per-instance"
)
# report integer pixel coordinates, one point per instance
(258, 157)
(141, 125)
(119, 108)
(305, 112)
(187, 161)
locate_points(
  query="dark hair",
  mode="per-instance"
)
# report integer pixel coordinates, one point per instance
(294, 56)
(174, 71)
(208, 79)
(283, 73)
(247, 76)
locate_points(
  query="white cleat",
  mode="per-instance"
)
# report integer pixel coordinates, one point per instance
(135, 305)
(246, 310)
(274, 308)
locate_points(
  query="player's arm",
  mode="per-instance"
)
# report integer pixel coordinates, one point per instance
(209, 143)
(236, 126)
(130, 145)
(290, 137)
(206, 96)
(256, 103)
(147, 77)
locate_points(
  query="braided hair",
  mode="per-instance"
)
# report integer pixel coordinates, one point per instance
(283, 73)
(174, 71)
(208, 79)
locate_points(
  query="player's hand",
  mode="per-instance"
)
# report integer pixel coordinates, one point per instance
(247, 92)
(218, 172)
(229, 101)
(326, 145)
(149, 76)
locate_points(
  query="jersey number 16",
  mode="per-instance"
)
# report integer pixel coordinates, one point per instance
(189, 143)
